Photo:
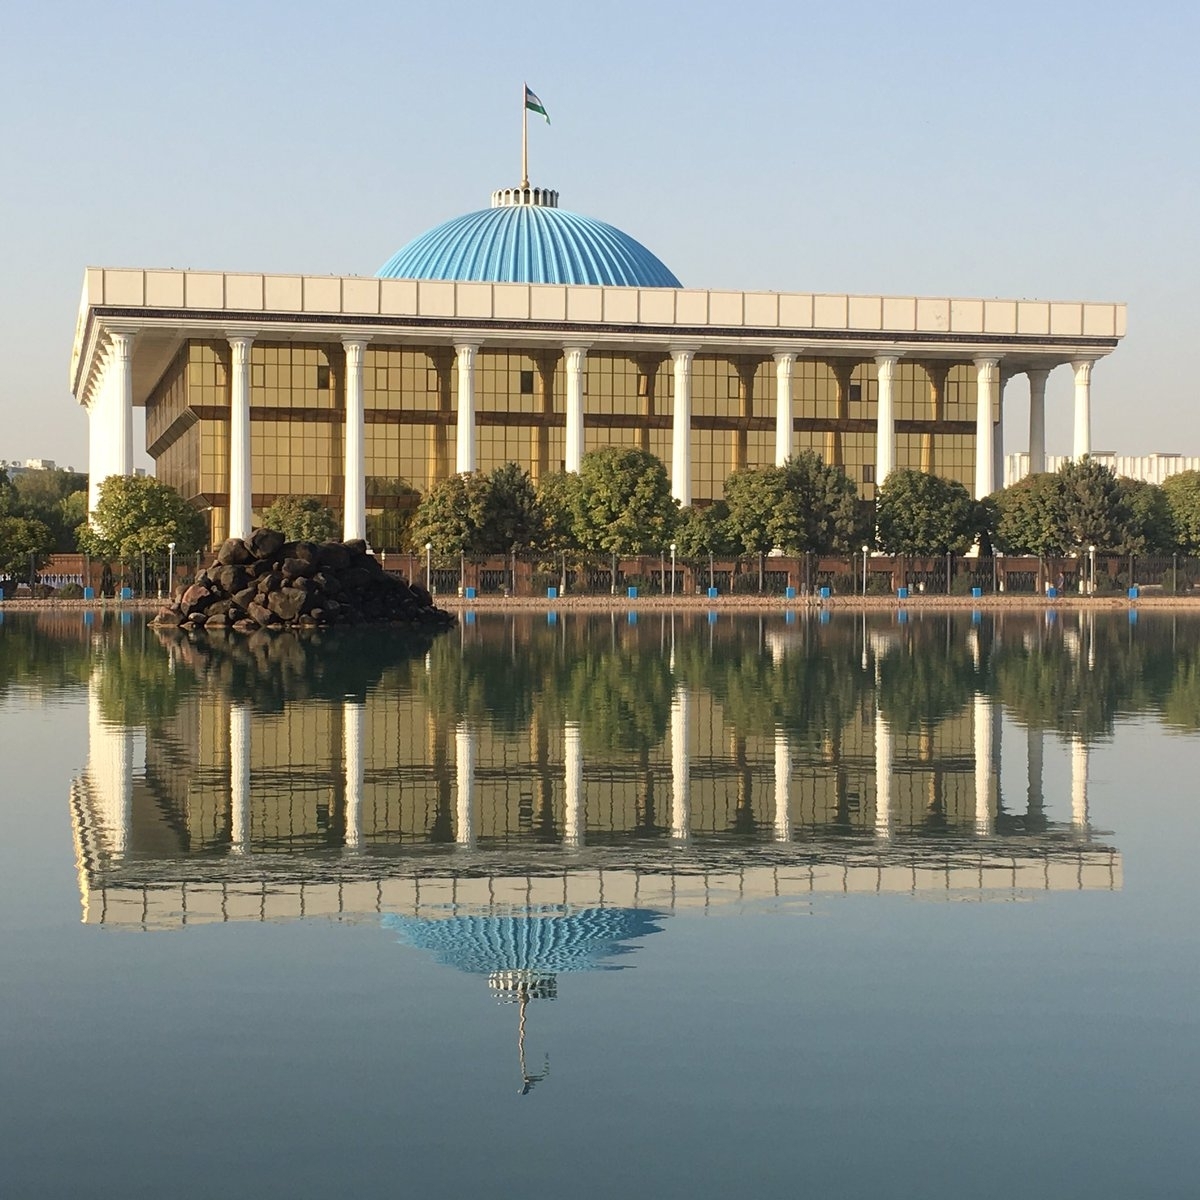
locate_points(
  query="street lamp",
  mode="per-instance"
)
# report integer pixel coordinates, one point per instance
(1092, 570)
(866, 552)
(672, 568)
(429, 567)
(170, 568)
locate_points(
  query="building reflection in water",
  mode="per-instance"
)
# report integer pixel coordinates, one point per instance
(554, 838)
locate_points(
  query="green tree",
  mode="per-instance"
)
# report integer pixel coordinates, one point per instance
(557, 501)
(1031, 517)
(624, 503)
(452, 515)
(23, 540)
(512, 515)
(1183, 498)
(300, 519)
(922, 514)
(705, 531)
(1150, 529)
(1094, 508)
(137, 514)
(805, 505)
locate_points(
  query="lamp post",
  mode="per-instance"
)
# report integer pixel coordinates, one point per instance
(672, 568)
(170, 568)
(1092, 570)
(866, 552)
(429, 567)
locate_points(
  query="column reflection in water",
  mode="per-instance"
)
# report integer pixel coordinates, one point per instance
(352, 758)
(783, 782)
(239, 778)
(574, 814)
(883, 776)
(110, 770)
(466, 751)
(681, 724)
(984, 813)
(1035, 802)
(1079, 783)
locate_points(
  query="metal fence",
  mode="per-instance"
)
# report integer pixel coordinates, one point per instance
(574, 573)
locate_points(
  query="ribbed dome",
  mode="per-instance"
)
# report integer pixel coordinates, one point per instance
(528, 243)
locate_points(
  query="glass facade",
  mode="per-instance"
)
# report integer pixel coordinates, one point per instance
(297, 415)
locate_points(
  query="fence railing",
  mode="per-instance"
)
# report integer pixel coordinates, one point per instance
(574, 573)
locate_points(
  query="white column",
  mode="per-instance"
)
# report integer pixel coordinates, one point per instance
(1079, 783)
(121, 369)
(1035, 740)
(1083, 408)
(465, 453)
(998, 435)
(110, 771)
(987, 392)
(352, 763)
(241, 514)
(783, 787)
(883, 776)
(239, 778)
(464, 763)
(354, 523)
(885, 419)
(100, 436)
(574, 815)
(681, 803)
(784, 417)
(575, 361)
(681, 427)
(1037, 418)
(982, 715)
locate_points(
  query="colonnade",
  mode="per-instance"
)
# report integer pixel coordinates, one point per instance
(111, 418)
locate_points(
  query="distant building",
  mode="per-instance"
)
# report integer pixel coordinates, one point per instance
(1148, 468)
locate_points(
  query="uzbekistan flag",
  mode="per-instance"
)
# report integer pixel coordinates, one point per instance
(532, 102)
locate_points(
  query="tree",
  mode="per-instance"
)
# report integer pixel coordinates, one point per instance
(924, 515)
(1094, 508)
(23, 539)
(1183, 498)
(452, 515)
(57, 499)
(705, 531)
(1151, 529)
(512, 517)
(557, 501)
(1031, 517)
(137, 514)
(300, 519)
(805, 505)
(624, 503)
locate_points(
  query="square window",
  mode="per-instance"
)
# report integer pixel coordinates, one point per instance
(856, 395)
(322, 378)
(869, 473)
(526, 383)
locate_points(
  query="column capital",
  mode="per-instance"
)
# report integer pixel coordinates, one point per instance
(355, 342)
(1038, 374)
(785, 356)
(889, 359)
(120, 340)
(248, 336)
(1083, 368)
(683, 353)
(983, 361)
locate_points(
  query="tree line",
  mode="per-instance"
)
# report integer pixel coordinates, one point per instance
(620, 502)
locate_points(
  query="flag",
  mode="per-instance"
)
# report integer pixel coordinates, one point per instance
(532, 102)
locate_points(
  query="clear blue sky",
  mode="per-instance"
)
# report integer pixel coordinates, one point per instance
(1032, 150)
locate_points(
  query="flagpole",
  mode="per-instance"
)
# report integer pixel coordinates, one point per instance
(524, 138)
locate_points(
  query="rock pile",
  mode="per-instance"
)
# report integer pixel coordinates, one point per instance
(265, 582)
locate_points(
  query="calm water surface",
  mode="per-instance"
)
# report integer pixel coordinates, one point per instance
(589, 905)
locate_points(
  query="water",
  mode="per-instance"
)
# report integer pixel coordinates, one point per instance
(674, 906)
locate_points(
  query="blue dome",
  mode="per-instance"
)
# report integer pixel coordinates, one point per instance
(528, 243)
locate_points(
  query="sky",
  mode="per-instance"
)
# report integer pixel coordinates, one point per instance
(1030, 150)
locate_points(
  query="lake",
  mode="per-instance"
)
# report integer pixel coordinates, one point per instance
(674, 904)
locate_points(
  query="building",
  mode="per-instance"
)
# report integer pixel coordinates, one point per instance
(1146, 468)
(527, 333)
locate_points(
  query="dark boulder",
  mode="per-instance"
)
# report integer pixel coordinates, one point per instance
(234, 552)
